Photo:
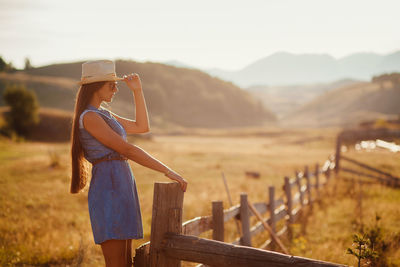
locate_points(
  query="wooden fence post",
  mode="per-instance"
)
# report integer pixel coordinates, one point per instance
(271, 206)
(218, 220)
(338, 151)
(166, 217)
(328, 174)
(245, 219)
(317, 180)
(298, 182)
(309, 192)
(335, 175)
(289, 206)
(289, 203)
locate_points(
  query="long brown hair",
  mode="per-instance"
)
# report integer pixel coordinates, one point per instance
(79, 164)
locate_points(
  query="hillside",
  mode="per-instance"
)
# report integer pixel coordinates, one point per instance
(284, 99)
(349, 105)
(174, 96)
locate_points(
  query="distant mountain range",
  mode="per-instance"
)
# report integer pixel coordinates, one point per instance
(287, 69)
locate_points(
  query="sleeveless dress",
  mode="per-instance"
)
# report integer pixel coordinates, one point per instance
(113, 201)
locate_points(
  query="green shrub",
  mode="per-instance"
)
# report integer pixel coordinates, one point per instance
(23, 109)
(370, 245)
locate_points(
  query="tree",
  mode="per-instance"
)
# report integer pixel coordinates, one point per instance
(23, 108)
(3, 64)
(28, 64)
(7, 67)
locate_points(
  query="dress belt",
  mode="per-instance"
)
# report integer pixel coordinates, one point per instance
(121, 157)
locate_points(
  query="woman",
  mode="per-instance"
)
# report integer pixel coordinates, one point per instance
(99, 136)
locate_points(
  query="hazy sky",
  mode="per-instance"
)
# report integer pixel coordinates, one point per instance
(226, 34)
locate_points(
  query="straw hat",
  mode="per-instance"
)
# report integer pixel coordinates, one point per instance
(98, 71)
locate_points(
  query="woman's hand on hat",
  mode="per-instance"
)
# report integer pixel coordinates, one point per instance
(133, 81)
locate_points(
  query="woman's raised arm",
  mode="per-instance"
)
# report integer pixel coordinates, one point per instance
(141, 124)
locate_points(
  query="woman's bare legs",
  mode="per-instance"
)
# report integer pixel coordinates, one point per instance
(114, 252)
(129, 262)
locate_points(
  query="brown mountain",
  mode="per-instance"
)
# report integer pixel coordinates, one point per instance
(349, 105)
(174, 96)
(284, 99)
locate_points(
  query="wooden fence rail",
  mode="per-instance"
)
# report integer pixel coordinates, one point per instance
(172, 241)
(217, 253)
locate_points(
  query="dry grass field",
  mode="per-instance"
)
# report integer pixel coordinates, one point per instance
(42, 224)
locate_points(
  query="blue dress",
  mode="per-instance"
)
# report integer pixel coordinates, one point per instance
(113, 201)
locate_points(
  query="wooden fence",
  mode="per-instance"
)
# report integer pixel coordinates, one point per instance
(360, 168)
(172, 241)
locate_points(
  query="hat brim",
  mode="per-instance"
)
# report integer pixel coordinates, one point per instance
(99, 79)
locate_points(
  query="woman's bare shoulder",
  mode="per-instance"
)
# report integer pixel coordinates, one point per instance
(100, 130)
(89, 117)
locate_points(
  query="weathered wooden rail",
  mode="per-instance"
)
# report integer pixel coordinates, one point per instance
(172, 241)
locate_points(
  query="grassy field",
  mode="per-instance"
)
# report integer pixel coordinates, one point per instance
(41, 223)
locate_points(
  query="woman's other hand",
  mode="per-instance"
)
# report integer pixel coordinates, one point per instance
(133, 81)
(174, 176)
